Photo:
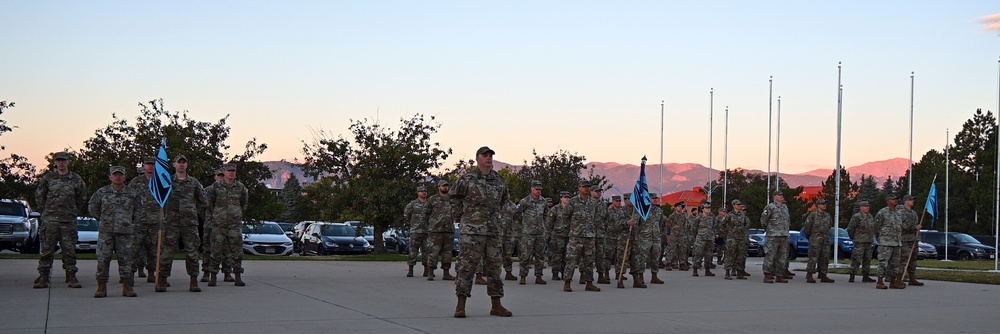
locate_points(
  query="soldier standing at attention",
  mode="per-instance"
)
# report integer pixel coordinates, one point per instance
(690, 230)
(889, 225)
(184, 206)
(532, 210)
(415, 217)
(116, 207)
(144, 229)
(675, 236)
(775, 220)
(476, 201)
(442, 230)
(861, 229)
(559, 231)
(817, 229)
(507, 220)
(206, 237)
(226, 203)
(641, 244)
(737, 226)
(60, 196)
(656, 222)
(580, 248)
(909, 238)
(617, 233)
(601, 262)
(704, 241)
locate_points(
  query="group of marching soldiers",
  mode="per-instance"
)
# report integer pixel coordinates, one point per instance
(204, 223)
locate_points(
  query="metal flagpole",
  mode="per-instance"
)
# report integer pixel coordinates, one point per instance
(661, 147)
(725, 163)
(996, 214)
(777, 150)
(947, 165)
(909, 189)
(770, 90)
(836, 205)
(711, 120)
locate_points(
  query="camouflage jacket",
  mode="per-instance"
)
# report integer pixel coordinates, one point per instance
(60, 197)
(415, 216)
(601, 218)
(691, 226)
(532, 215)
(737, 225)
(658, 220)
(888, 225)
(817, 227)
(117, 210)
(581, 217)
(439, 214)
(676, 224)
(648, 229)
(186, 204)
(476, 200)
(507, 220)
(558, 222)
(910, 221)
(149, 210)
(775, 220)
(861, 227)
(706, 227)
(226, 203)
(617, 223)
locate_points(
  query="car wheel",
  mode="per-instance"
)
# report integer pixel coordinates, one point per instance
(963, 256)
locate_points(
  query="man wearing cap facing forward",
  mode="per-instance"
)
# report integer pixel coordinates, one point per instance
(861, 229)
(582, 231)
(415, 219)
(182, 212)
(144, 229)
(441, 232)
(476, 200)
(736, 229)
(532, 209)
(909, 237)
(888, 225)
(226, 204)
(676, 253)
(817, 229)
(117, 208)
(59, 196)
(704, 241)
(776, 221)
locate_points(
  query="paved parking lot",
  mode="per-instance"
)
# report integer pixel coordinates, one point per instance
(375, 297)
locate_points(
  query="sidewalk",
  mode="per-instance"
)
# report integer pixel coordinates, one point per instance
(375, 297)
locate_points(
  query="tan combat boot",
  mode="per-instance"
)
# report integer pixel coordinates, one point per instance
(591, 287)
(409, 272)
(850, 279)
(239, 280)
(127, 288)
(744, 273)
(739, 275)
(140, 273)
(151, 278)
(636, 282)
(479, 279)
(71, 281)
(809, 278)
(213, 279)
(780, 279)
(881, 284)
(193, 287)
(510, 277)
(498, 309)
(728, 276)
(914, 282)
(425, 270)
(161, 283)
(824, 279)
(204, 276)
(460, 308)
(655, 279)
(228, 278)
(41, 282)
(708, 272)
(539, 280)
(102, 288)
(523, 280)
(430, 275)
(768, 278)
(897, 283)
(567, 286)
(447, 275)
(867, 279)
(694, 272)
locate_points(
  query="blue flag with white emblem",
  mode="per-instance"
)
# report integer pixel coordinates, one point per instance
(161, 184)
(640, 195)
(931, 205)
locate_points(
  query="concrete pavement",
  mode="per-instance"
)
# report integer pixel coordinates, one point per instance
(375, 297)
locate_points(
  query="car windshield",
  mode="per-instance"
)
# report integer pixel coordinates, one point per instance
(12, 209)
(262, 229)
(965, 238)
(338, 230)
(368, 230)
(842, 234)
(286, 226)
(87, 225)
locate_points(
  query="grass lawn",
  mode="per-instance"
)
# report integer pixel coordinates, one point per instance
(951, 271)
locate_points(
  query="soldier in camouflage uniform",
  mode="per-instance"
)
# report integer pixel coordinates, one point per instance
(601, 218)
(60, 195)
(532, 209)
(441, 230)
(582, 230)
(507, 220)
(736, 229)
(476, 201)
(776, 221)
(415, 218)
(206, 236)
(617, 233)
(675, 236)
(704, 241)
(145, 228)
(181, 214)
(639, 246)
(889, 225)
(909, 239)
(690, 231)
(226, 203)
(657, 219)
(861, 229)
(558, 227)
(817, 229)
(117, 207)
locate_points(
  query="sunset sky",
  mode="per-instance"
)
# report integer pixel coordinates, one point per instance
(587, 77)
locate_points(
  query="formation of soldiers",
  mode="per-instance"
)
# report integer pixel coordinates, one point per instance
(134, 228)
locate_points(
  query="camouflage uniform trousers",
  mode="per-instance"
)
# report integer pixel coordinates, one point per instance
(889, 258)
(508, 252)
(909, 253)
(688, 250)
(557, 253)
(172, 236)
(861, 256)
(775, 255)
(144, 243)
(532, 254)
(736, 255)
(418, 243)
(653, 257)
(227, 250)
(580, 253)
(703, 253)
(601, 262)
(440, 246)
(474, 251)
(640, 254)
(65, 234)
(207, 249)
(618, 254)
(675, 249)
(819, 254)
(109, 244)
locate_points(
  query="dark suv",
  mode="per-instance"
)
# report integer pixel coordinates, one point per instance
(961, 246)
(18, 226)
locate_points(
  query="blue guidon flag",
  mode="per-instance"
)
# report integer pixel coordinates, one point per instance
(161, 184)
(640, 195)
(931, 205)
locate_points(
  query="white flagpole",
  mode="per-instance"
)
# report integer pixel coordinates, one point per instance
(770, 91)
(947, 165)
(996, 214)
(661, 147)
(711, 120)
(909, 189)
(836, 206)
(777, 150)
(725, 163)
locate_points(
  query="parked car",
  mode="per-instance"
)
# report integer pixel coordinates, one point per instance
(367, 231)
(961, 246)
(265, 238)
(86, 234)
(333, 238)
(18, 226)
(926, 251)
(288, 228)
(396, 240)
(844, 238)
(754, 248)
(299, 233)
(458, 234)
(792, 236)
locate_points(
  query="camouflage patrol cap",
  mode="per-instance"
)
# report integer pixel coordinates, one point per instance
(616, 198)
(653, 196)
(737, 202)
(892, 196)
(443, 183)
(909, 198)
(778, 192)
(217, 172)
(706, 205)
(563, 193)
(485, 149)
(821, 202)
(680, 204)
(584, 183)
(863, 203)
(723, 209)
(117, 169)
(627, 195)
(229, 167)
(180, 157)
(61, 156)
(536, 184)
(149, 160)
(422, 188)
(548, 200)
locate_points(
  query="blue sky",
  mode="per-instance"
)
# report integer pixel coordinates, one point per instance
(583, 76)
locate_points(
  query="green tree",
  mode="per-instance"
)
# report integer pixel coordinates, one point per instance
(751, 189)
(560, 171)
(291, 196)
(374, 174)
(848, 195)
(17, 175)
(868, 191)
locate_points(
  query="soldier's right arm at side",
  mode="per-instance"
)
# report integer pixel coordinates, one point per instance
(810, 220)
(42, 193)
(94, 206)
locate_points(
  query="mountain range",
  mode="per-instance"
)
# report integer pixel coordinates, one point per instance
(676, 176)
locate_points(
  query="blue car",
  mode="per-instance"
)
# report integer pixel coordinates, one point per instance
(844, 241)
